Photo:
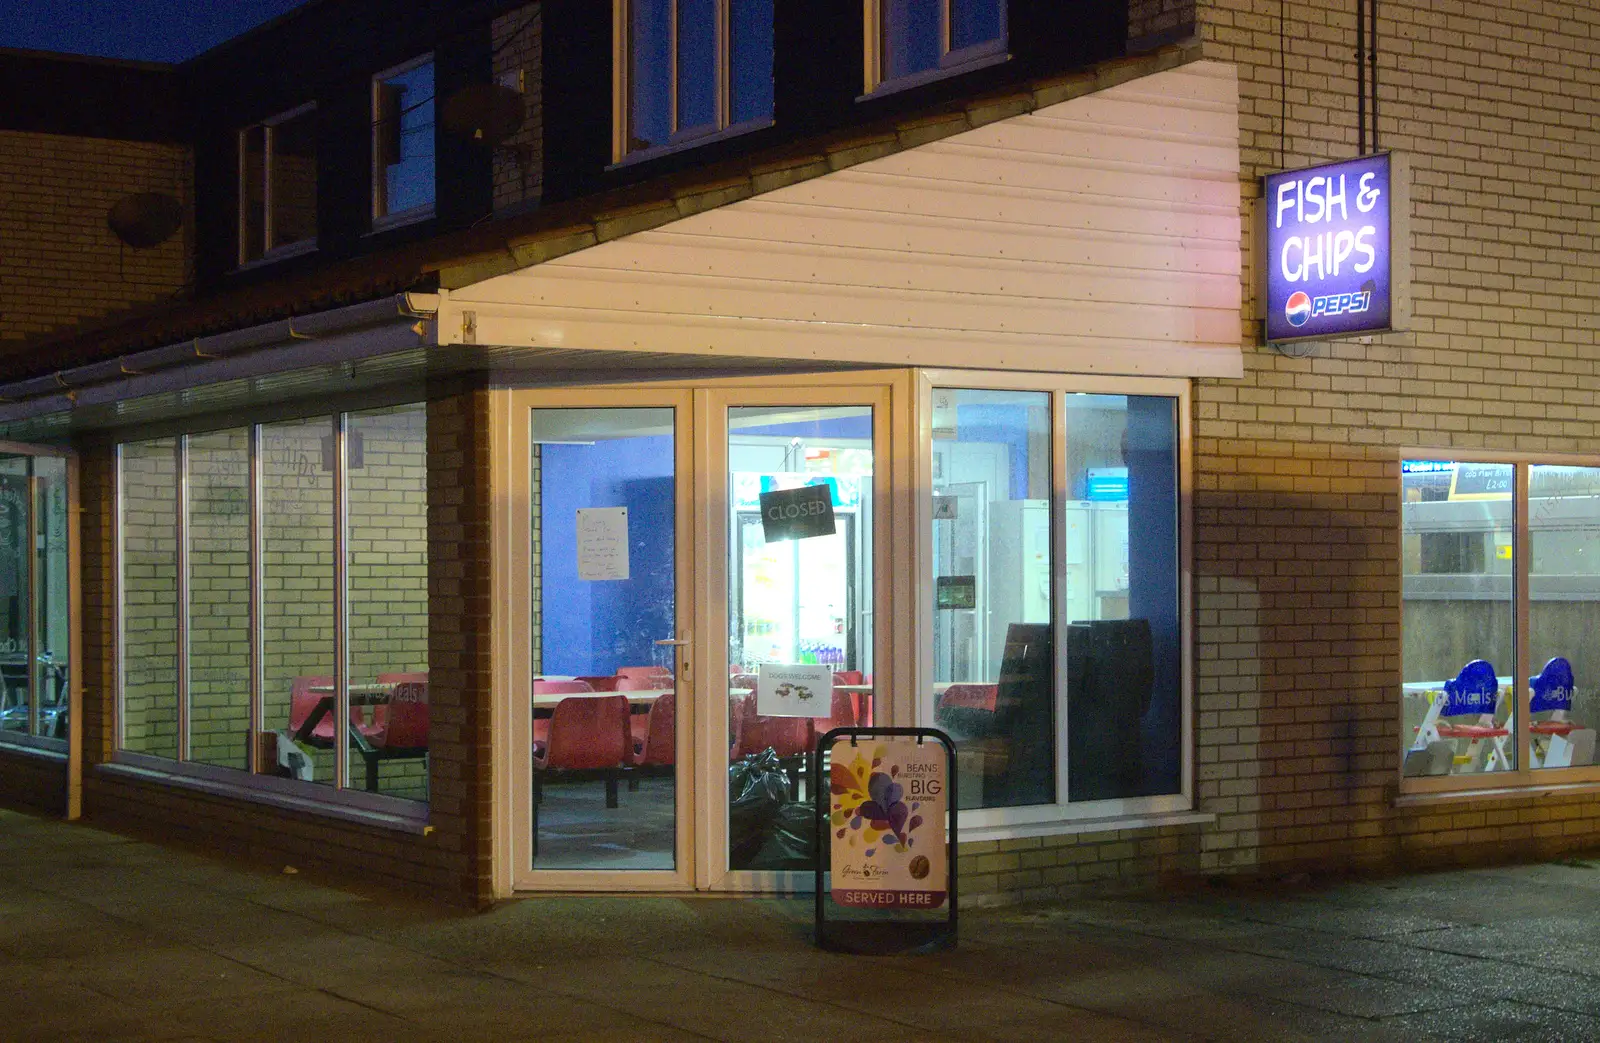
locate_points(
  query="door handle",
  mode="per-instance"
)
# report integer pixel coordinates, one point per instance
(679, 642)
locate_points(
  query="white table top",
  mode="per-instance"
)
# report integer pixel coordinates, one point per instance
(638, 697)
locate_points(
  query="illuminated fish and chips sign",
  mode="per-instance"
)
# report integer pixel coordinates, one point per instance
(1335, 257)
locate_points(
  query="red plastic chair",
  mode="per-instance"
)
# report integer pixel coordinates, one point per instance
(407, 725)
(788, 737)
(658, 746)
(380, 712)
(642, 684)
(599, 684)
(847, 677)
(541, 725)
(842, 714)
(303, 702)
(588, 736)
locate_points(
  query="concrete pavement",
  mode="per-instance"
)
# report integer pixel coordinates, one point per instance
(107, 938)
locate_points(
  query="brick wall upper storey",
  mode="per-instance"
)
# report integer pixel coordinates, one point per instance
(60, 263)
(1297, 502)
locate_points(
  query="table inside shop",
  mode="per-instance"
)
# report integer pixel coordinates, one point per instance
(360, 695)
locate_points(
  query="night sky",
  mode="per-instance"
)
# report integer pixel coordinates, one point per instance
(145, 30)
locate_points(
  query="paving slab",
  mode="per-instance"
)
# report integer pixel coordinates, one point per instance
(106, 938)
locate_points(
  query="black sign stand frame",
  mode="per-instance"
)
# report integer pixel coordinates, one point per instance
(882, 937)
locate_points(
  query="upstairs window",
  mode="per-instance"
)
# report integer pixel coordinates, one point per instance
(690, 68)
(278, 185)
(915, 40)
(402, 143)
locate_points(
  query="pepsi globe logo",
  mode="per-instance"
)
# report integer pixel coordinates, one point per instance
(1298, 308)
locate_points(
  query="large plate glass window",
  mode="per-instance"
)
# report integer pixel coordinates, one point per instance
(1459, 619)
(993, 625)
(689, 68)
(1500, 588)
(273, 601)
(402, 143)
(35, 592)
(278, 185)
(919, 39)
(1056, 607)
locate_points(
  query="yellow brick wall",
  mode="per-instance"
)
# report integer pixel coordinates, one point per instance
(59, 262)
(1297, 465)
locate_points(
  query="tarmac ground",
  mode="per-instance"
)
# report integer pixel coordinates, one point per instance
(107, 938)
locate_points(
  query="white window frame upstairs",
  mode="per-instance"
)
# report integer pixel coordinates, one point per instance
(271, 250)
(422, 211)
(951, 62)
(681, 137)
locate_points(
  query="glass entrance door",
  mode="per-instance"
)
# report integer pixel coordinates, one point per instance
(600, 712)
(797, 522)
(656, 600)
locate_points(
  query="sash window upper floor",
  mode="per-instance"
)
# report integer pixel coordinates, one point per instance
(687, 69)
(402, 143)
(913, 41)
(278, 185)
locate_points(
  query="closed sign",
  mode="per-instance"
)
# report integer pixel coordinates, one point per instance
(797, 514)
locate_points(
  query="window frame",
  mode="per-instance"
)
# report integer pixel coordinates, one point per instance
(343, 796)
(422, 211)
(680, 138)
(270, 251)
(951, 62)
(1063, 815)
(1523, 778)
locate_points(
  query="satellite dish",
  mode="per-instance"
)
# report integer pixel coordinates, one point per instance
(145, 219)
(484, 112)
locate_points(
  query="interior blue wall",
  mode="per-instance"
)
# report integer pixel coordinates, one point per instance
(596, 626)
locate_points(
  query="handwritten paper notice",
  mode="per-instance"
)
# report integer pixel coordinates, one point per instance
(603, 543)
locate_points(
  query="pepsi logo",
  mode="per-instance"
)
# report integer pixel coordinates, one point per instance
(1297, 309)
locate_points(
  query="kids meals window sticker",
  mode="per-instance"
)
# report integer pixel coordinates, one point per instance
(1335, 252)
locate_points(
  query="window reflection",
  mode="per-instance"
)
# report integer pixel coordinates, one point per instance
(1564, 594)
(219, 598)
(695, 67)
(150, 597)
(993, 636)
(1458, 622)
(402, 140)
(1124, 670)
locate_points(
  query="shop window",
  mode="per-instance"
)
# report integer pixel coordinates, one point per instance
(1056, 608)
(150, 639)
(914, 40)
(403, 143)
(35, 642)
(278, 186)
(231, 546)
(691, 68)
(1474, 701)
(219, 598)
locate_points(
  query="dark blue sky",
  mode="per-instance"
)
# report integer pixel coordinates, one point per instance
(146, 30)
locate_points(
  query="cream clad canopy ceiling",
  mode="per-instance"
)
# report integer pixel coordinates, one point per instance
(1097, 235)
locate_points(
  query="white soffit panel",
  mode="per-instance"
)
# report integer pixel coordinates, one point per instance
(1098, 235)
